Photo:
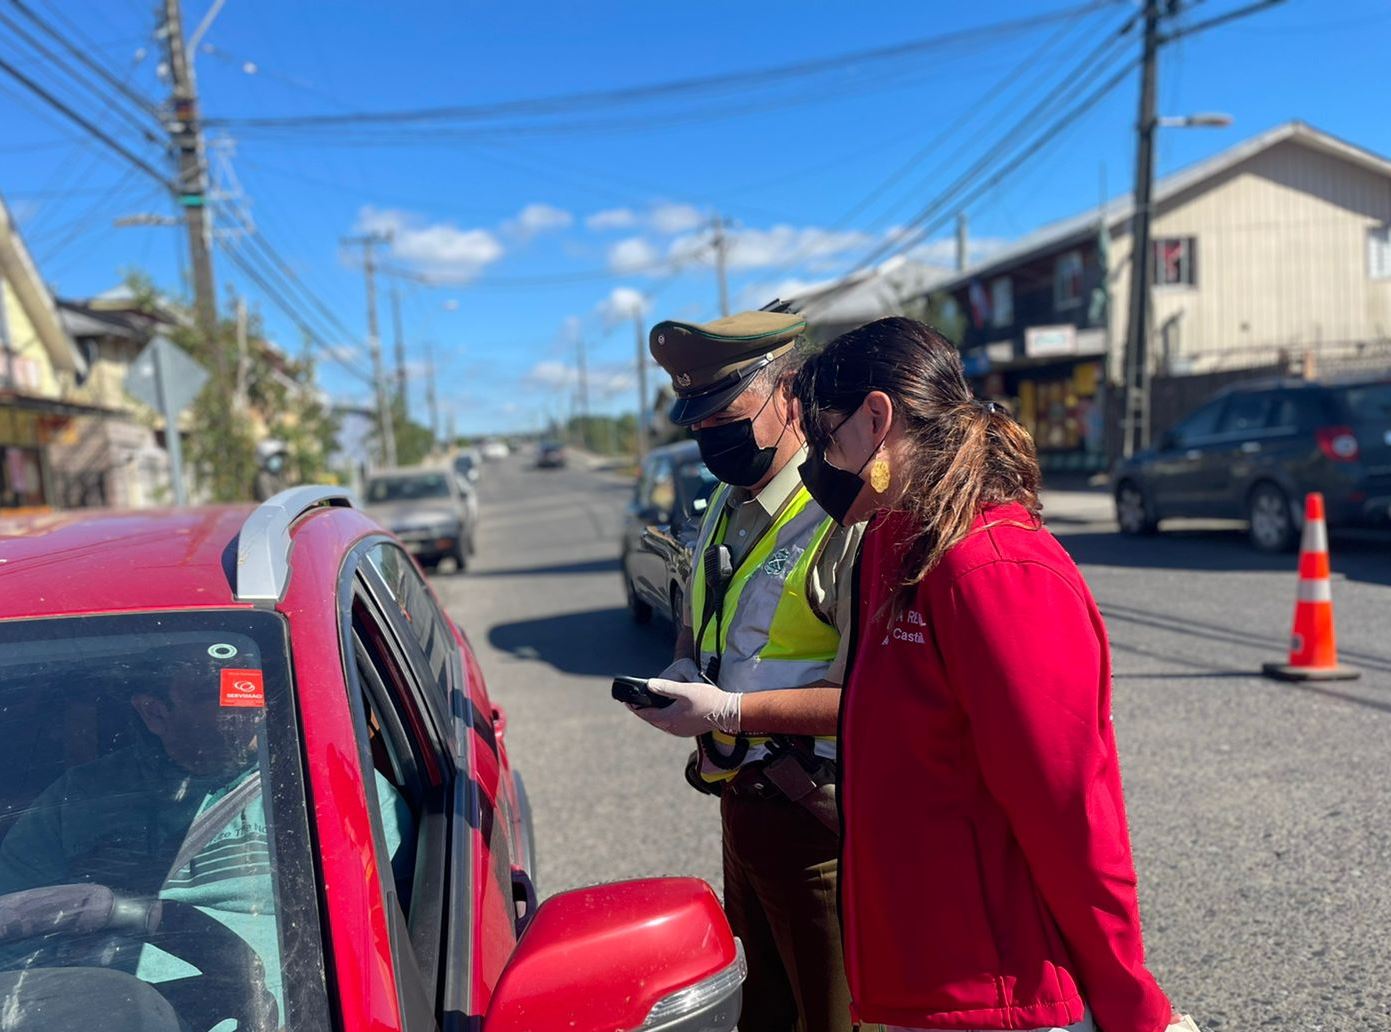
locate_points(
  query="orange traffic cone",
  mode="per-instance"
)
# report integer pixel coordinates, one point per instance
(1313, 646)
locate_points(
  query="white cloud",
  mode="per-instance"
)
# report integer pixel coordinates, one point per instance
(439, 248)
(451, 305)
(632, 255)
(346, 353)
(670, 219)
(776, 246)
(942, 252)
(622, 304)
(612, 218)
(538, 218)
(604, 381)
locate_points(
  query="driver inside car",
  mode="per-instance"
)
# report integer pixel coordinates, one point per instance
(177, 815)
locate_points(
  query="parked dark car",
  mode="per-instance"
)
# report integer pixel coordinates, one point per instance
(1254, 451)
(550, 455)
(660, 531)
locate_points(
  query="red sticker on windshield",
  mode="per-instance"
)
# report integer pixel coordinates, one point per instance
(243, 688)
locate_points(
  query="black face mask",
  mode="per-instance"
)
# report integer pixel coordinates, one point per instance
(731, 452)
(832, 488)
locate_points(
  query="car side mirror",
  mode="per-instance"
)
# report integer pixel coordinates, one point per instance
(652, 954)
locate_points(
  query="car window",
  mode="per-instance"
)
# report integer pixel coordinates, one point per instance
(696, 485)
(1200, 425)
(1245, 413)
(155, 759)
(412, 597)
(406, 788)
(407, 489)
(663, 495)
(1369, 403)
(1297, 410)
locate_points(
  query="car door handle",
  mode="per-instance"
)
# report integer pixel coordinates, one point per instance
(1251, 447)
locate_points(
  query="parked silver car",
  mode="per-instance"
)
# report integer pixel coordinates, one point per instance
(430, 509)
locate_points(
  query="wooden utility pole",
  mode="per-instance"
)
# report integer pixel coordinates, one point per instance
(385, 423)
(641, 428)
(186, 136)
(431, 400)
(721, 244)
(239, 405)
(1135, 424)
(400, 353)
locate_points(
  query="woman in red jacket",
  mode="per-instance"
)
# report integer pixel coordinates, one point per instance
(986, 875)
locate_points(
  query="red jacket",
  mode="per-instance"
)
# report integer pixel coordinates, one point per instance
(986, 877)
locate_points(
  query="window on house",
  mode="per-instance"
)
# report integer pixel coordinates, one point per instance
(1002, 301)
(1067, 280)
(1379, 252)
(1175, 262)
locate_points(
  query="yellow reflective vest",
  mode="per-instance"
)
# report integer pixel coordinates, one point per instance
(769, 635)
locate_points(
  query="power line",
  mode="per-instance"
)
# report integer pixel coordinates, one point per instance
(73, 116)
(1000, 88)
(568, 103)
(143, 103)
(290, 310)
(921, 225)
(55, 61)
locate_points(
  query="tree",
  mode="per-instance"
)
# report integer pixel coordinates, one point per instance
(282, 402)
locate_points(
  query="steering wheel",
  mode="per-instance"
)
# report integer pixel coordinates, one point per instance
(232, 979)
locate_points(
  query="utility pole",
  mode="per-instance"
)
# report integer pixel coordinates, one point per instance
(239, 404)
(187, 138)
(385, 423)
(431, 401)
(642, 386)
(582, 370)
(963, 239)
(721, 243)
(1135, 424)
(400, 352)
(185, 133)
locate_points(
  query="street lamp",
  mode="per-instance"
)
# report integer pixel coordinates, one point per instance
(1135, 426)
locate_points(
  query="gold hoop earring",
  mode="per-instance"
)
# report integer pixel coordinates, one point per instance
(880, 476)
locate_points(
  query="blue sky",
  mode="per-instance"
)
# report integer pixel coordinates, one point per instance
(546, 229)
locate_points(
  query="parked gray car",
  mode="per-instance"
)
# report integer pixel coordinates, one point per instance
(430, 509)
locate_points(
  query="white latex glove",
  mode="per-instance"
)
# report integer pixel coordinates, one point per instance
(699, 707)
(685, 669)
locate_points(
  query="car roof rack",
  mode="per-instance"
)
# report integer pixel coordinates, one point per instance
(263, 546)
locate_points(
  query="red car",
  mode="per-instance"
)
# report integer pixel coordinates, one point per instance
(251, 778)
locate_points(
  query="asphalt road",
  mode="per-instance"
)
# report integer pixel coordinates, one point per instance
(1259, 811)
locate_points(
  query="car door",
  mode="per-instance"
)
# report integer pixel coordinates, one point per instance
(1236, 458)
(648, 561)
(486, 877)
(1175, 475)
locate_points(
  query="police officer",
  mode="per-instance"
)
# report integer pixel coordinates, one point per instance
(759, 661)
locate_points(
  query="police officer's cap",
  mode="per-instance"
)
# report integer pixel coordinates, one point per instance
(712, 363)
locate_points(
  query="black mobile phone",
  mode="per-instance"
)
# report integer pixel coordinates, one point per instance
(634, 691)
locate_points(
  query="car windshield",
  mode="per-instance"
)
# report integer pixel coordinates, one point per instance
(697, 484)
(1370, 402)
(153, 826)
(408, 489)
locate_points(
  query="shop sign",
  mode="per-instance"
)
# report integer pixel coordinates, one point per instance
(1000, 351)
(1046, 341)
